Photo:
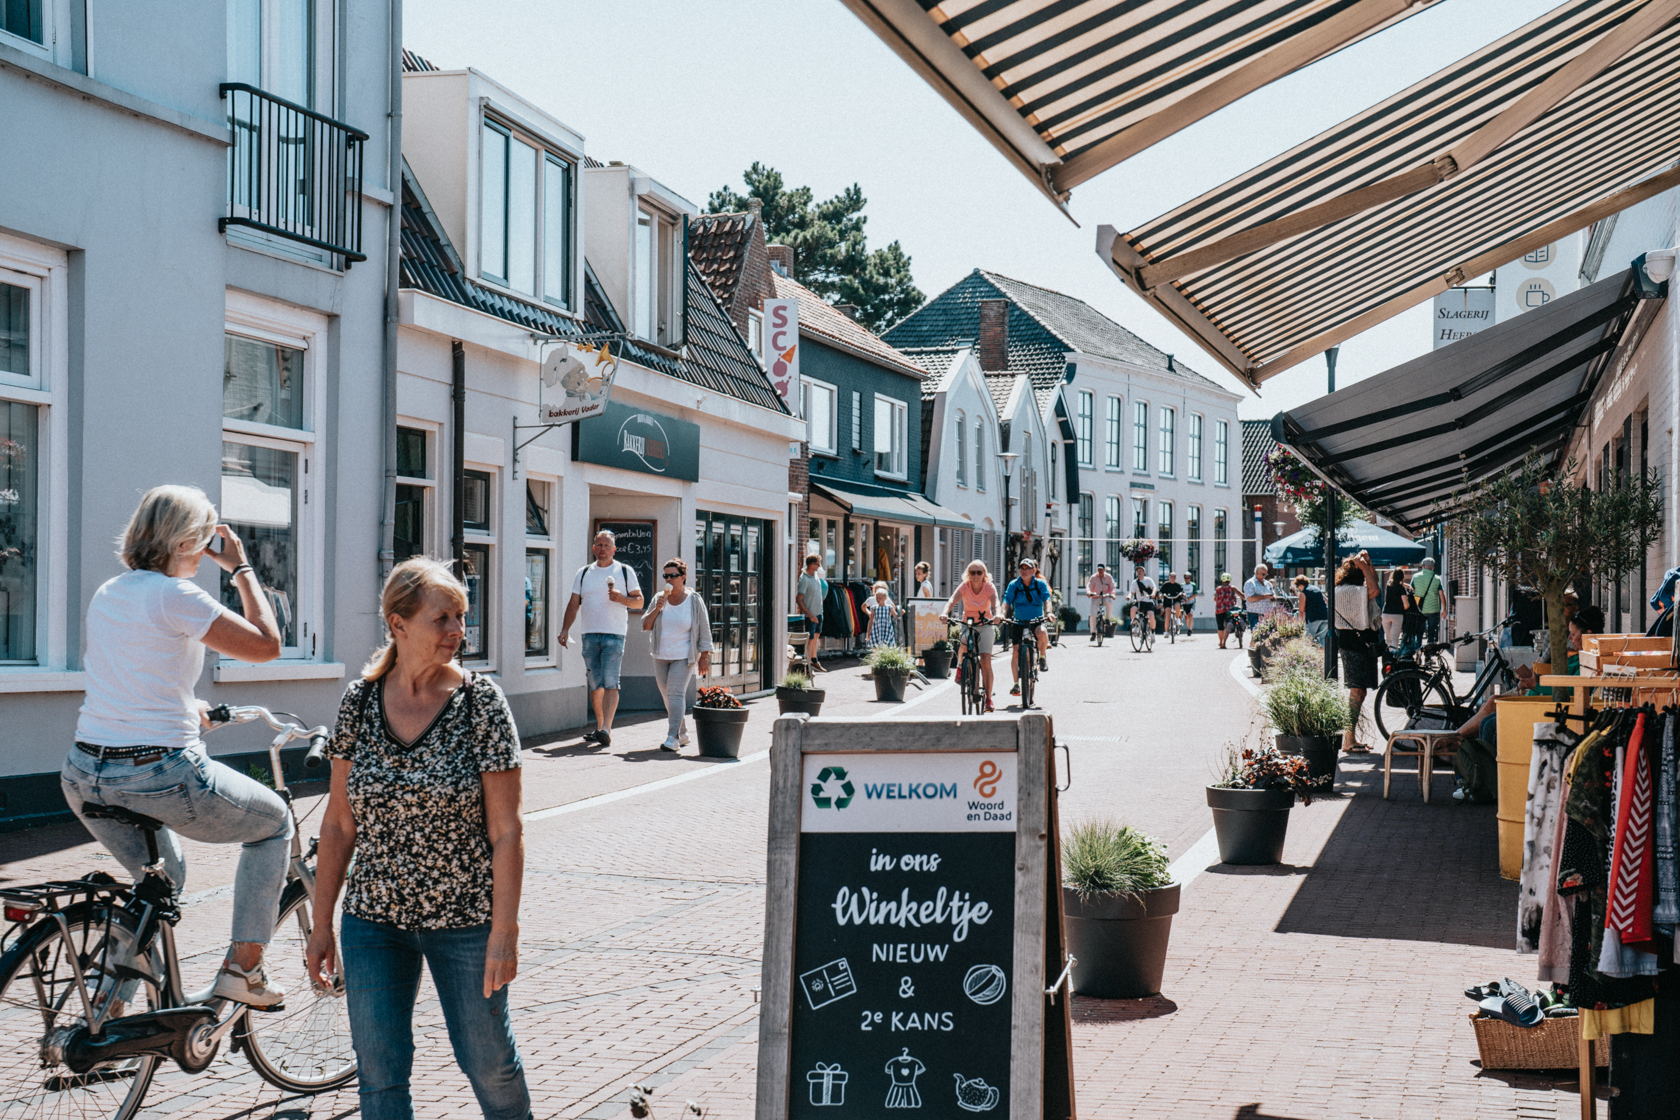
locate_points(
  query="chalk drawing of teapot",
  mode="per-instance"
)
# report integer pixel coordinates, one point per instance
(974, 1095)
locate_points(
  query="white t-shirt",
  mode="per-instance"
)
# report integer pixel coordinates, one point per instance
(597, 614)
(144, 655)
(676, 626)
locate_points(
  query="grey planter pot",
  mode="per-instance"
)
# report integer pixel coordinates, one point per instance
(1321, 753)
(800, 701)
(1250, 824)
(1120, 940)
(936, 663)
(890, 686)
(718, 731)
(1257, 661)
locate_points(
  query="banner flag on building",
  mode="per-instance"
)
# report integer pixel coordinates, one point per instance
(584, 379)
(781, 349)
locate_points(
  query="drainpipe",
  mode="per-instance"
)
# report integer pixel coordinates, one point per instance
(458, 426)
(393, 247)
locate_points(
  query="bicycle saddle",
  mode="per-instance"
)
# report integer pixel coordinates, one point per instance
(122, 816)
(1435, 647)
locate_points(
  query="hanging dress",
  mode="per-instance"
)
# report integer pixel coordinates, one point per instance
(904, 1070)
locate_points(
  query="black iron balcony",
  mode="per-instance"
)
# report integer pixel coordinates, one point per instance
(293, 172)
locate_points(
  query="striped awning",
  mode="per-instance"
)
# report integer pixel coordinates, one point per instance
(1068, 88)
(1558, 125)
(1410, 441)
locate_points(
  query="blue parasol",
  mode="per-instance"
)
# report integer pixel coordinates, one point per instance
(1306, 548)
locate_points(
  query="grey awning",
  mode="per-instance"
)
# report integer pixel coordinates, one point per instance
(914, 509)
(1405, 442)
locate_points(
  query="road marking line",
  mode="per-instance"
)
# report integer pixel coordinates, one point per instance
(929, 693)
(1202, 854)
(646, 787)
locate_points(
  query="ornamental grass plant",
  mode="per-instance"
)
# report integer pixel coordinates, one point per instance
(799, 681)
(889, 659)
(1306, 704)
(1103, 856)
(1297, 655)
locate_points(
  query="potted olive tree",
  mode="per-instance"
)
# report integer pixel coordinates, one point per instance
(890, 667)
(1306, 711)
(1120, 900)
(719, 721)
(936, 659)
(1251, 802)
(796, 694)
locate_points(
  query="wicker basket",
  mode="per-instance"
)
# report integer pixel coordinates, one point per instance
(1554, 1044)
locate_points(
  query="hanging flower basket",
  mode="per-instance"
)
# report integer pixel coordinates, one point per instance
(1139, 550)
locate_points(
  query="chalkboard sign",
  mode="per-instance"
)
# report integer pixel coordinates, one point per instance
(637, 548)
(910, 924)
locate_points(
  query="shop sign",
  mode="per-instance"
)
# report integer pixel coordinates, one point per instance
(635, 439)
(576, 384)
(781, 349)
(1460, 313)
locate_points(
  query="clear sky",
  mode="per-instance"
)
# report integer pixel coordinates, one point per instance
(693, 91)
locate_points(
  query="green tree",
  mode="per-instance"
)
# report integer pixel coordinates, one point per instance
(831, 253)
(1534, 528)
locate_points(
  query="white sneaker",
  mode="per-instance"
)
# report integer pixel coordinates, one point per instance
(682, 736)
(669, 745)
(252, 988)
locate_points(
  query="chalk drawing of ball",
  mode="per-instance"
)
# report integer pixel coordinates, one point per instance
(985, 984)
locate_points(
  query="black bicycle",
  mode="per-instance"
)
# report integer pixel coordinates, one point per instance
(1174, 606)
(1422, 687)
(92, 998)
(1142, 613)
(973, 684)
(1026, 659)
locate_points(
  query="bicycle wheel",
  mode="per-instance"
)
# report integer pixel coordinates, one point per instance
(41, 1010)
(1172, 629)
(1416, 697)
(1136, 631)
(1024, 668)
(305, 1048)
(1148, 637)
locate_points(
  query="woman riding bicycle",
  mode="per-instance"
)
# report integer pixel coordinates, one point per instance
(137, 738)
(978, 597)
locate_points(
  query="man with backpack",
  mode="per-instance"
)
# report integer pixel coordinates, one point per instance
(1426, 585)
(606, 592)
(1024, 601)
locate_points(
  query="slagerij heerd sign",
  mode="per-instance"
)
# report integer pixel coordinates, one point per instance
(637, 439)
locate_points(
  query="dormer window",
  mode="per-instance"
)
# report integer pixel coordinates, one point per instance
(656, 286)
(525, 212)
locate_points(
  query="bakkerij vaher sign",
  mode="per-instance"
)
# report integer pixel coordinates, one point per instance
(635, 439)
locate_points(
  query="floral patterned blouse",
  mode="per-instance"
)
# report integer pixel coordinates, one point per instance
(422, 844)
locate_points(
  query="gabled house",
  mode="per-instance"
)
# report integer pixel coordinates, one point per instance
(1141, 445)
(517, 243)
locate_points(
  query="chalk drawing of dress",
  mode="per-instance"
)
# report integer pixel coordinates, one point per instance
(904, 1070)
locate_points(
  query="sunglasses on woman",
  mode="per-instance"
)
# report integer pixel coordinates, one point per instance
(673, 575)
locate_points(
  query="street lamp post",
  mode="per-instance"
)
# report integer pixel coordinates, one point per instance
(1007, 458)
(1330, 667)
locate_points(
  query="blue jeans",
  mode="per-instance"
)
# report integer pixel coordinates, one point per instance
(1432, 627)
(199, 799)
(602, 656)
(381, 979)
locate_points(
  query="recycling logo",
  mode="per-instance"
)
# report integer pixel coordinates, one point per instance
(820, 791)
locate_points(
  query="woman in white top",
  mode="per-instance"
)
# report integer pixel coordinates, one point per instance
(137, 738)
(1356, 587)
(682, 645)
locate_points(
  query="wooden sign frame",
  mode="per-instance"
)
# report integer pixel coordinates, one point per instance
(1040, 1063)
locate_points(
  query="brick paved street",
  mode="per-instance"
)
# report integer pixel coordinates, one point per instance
(1325, 987)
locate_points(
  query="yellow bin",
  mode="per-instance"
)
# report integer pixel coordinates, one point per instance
(1517, 717)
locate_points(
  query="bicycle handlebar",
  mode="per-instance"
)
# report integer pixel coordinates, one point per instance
(317, 750)
(223, 715)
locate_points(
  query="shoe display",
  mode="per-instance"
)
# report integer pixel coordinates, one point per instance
(252, 988)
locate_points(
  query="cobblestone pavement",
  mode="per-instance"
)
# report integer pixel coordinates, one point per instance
(1326, 987)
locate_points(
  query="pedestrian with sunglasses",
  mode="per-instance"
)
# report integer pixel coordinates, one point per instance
(605, 592)
(682, 646)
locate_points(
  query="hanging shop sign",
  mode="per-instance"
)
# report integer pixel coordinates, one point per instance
(635, 439)
(576, 383)
(913, 923)
(1460, 313)
(781, 349)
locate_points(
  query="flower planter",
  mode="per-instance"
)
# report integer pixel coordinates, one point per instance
(1250, 824)
(1321, 753)
(890, 686)
(800, 701)
(718, 731)
(936, 663)
(1120, 941)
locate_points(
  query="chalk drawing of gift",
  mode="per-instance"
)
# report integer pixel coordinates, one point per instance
(828, 1084)
(828, 983)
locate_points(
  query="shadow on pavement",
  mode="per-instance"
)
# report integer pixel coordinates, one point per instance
(1276, 870)
(1087, 1009)
(1252, 1112)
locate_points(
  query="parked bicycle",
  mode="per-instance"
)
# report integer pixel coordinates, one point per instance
(92, 996)
(1422, 688)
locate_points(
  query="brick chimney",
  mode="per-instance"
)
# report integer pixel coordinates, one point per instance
(993, 350)
(849, 310)
(781, 259)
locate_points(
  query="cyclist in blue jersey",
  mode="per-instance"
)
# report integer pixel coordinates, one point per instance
(1024, 601)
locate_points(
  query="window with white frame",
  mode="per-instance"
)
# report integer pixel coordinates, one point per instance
(755, 332)
(1219, 555)
(891, 436)
(271, 410)
(657, 276)
(525, 215)
(1169, 420)
(1140, 436)
(539, 568)
(1112, 531)
(1055, 482)
(416, 492)
(478, 519)
(274, 45)
(1140, 517)
(1221, 453)
(1193, 544)
(1193, 449)
(1164, 538)
(816, 399)
(857, 421)
(22, 409)
(962, 451)
(981, 467)
(1082, 429)
(1086, 511)
(46, 29)
(1111, 452)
